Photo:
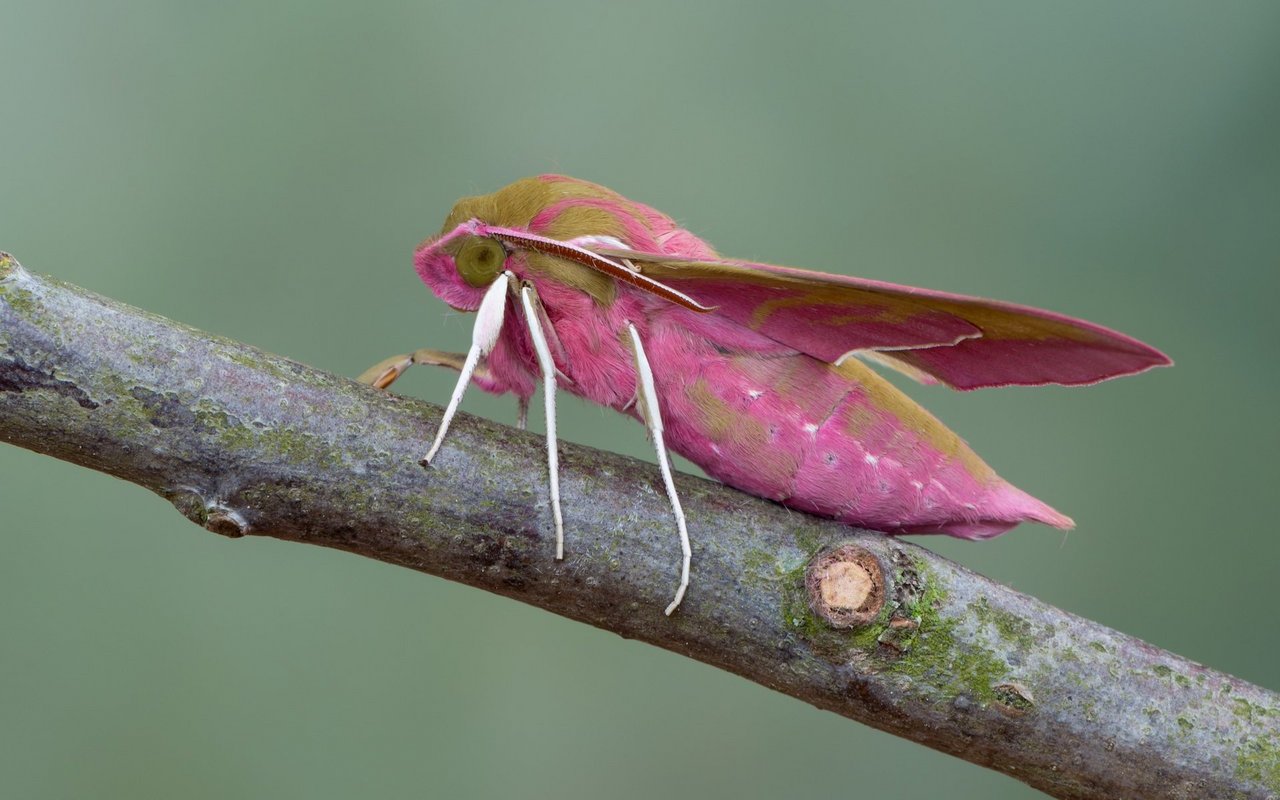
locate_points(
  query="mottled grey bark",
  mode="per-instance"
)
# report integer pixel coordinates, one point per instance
(876, 629)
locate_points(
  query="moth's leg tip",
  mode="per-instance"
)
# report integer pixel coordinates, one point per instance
(384, 373)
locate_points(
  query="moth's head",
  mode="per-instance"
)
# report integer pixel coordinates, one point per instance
(459, 264)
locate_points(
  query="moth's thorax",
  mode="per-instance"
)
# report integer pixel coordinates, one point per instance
(591, 346)
(568, 209)
(586, 308)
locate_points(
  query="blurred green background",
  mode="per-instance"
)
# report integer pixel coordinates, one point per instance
(263, 170)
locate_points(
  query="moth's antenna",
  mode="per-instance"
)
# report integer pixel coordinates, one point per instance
(483, 337)
(648, 402)
(587, 258)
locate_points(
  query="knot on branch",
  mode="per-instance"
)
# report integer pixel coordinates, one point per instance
(1013, 699)
(211, 515)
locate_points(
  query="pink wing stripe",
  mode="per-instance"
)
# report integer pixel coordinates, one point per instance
(828, 330)
(1029, 362)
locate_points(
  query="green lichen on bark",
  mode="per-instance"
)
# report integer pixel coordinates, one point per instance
(1014, 631)
(286, 444)
(1258, 760)
(761, 564)
(20, 300)
(939, 659)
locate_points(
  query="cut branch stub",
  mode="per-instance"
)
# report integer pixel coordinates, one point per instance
(846, 586)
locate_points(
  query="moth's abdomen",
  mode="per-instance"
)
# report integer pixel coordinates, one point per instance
(840, 442)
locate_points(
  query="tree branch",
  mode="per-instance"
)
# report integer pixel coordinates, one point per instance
(873, 628)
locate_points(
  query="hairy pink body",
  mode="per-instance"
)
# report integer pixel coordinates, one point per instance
(754, 413)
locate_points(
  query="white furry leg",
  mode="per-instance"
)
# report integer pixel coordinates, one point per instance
(483, 337)
(529, 299)
(648, 401)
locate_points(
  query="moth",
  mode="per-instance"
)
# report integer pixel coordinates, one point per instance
(757, 373)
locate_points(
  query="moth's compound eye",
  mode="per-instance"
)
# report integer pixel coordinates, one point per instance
(479, 260)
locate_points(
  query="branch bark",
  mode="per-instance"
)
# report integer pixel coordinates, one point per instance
(876, 629)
